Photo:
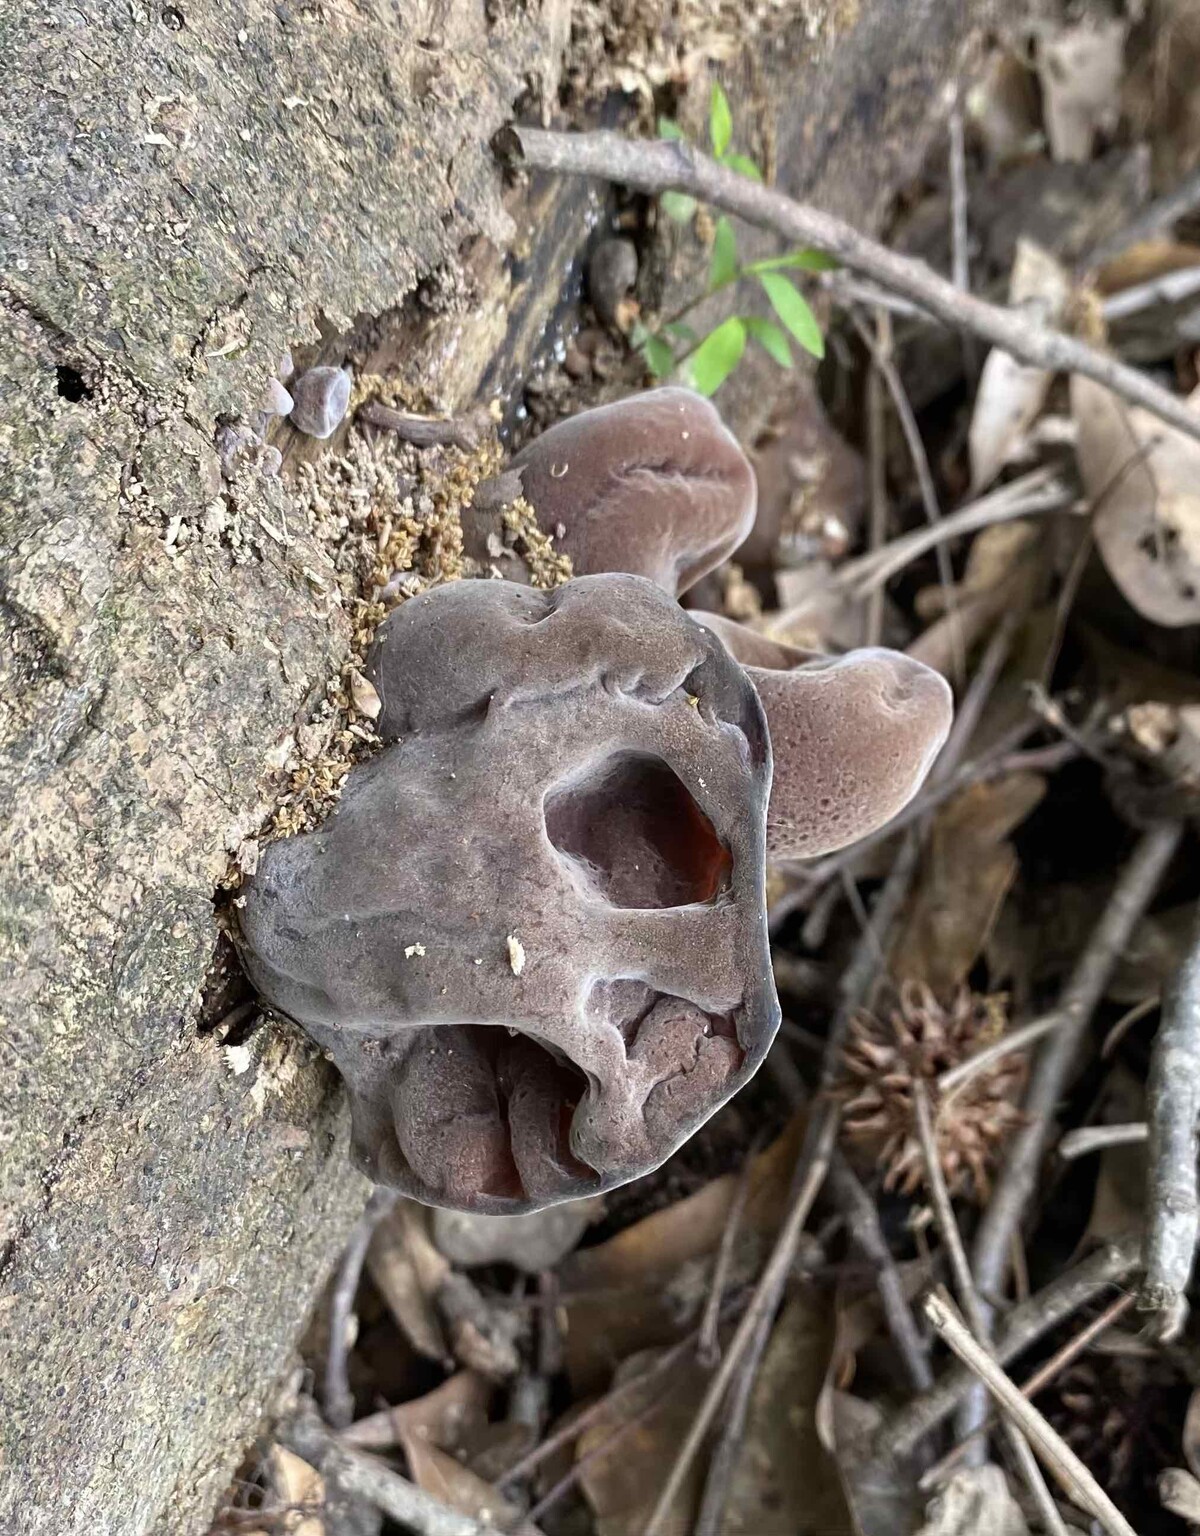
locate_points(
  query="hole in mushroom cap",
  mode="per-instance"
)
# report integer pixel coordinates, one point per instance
(633, 835)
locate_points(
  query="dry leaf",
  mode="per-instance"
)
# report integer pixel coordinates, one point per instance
(1004, 110)
(443, 1417)
(408, 1271)
(1145, 478)
(966, 875)
(1081, 69)
(532, 1242)
(622, 1484)
(784, 1479)
(1119, 1199)
(459, 1488)
(975, 1502)
(629, 1287)
(298, 1486)
(1180, 1493)
(1011, 395)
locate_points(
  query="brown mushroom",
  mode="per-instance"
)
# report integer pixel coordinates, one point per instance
(532, 936)
(654, 485)
(852, 736)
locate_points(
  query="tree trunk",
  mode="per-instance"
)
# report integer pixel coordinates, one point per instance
(187, 190)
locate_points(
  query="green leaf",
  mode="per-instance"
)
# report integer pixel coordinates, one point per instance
(720, 121)
(638, 333)
(660, 359)
(771, 339)
(792, 308)
(744, 165)
(807, 261)
(680, 331)
(668, 128)
(717, 356)
(678, 206)
(723, 268)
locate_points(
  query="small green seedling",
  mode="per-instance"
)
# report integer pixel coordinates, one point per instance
(705, 362)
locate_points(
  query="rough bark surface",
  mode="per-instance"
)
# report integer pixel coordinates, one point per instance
(185, 190)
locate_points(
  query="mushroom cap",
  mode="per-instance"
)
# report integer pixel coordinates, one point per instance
(852, 736)
(532, 936)
(655, 485)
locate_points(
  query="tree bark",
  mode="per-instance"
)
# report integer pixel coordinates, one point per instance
(186, 190)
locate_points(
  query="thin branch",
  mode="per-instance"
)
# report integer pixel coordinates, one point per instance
(708, 1348)
(373, 1480)
(1174, 1110)
(463, 432)
(877, 460)
(1001, 1220)
(337, 1396)
(882, 358)
(955, 1078)
(964, 1283)
(672, 165)
(1098, 1138)
(812, 1165)
(1081, 1487)
(1035, 1383)
(1130, 898)
(1025, 1325)
(866, 1235)
(960, 234)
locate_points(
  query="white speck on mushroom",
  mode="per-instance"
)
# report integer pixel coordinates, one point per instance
(413, 949)
(685, 436)
(479, 962)
(557, 471)
(516, 954)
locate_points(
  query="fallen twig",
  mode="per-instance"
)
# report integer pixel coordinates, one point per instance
(1079, 1484)
(1035, 1383)
(1014, 1187)
(423, 431)
(866, 1234)
(1025, 1325)
(708, 1347)
(673, 165)
(746, 1346)
(373, 1480)
(337, 1397)
(1097, 1138)
(964, 1282)
(1173, 1107)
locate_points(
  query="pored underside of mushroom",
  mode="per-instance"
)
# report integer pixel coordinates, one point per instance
(655, 485)
(533, 936)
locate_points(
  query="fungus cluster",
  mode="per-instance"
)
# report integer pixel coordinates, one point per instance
(533, 934)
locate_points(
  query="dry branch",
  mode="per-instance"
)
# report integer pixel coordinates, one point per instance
(1174, 1109)
(671, 165)
(1075, 1478)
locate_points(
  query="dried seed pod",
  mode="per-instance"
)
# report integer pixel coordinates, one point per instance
(919, 1039)
(321, 397)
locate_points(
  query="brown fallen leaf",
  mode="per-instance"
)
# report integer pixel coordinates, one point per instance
(784, 1479)
(622, 1483)
(1010, 395)
(976, 1501)
(1080, 69)
(456, 1486)
(629, 1286)
(442, 1417)
(968, 871)
(1145, 479)
(297, 1486)
(408, 1271)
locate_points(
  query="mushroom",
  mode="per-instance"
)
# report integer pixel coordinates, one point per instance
(533, 935)
(853, 736)
(654, 485)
